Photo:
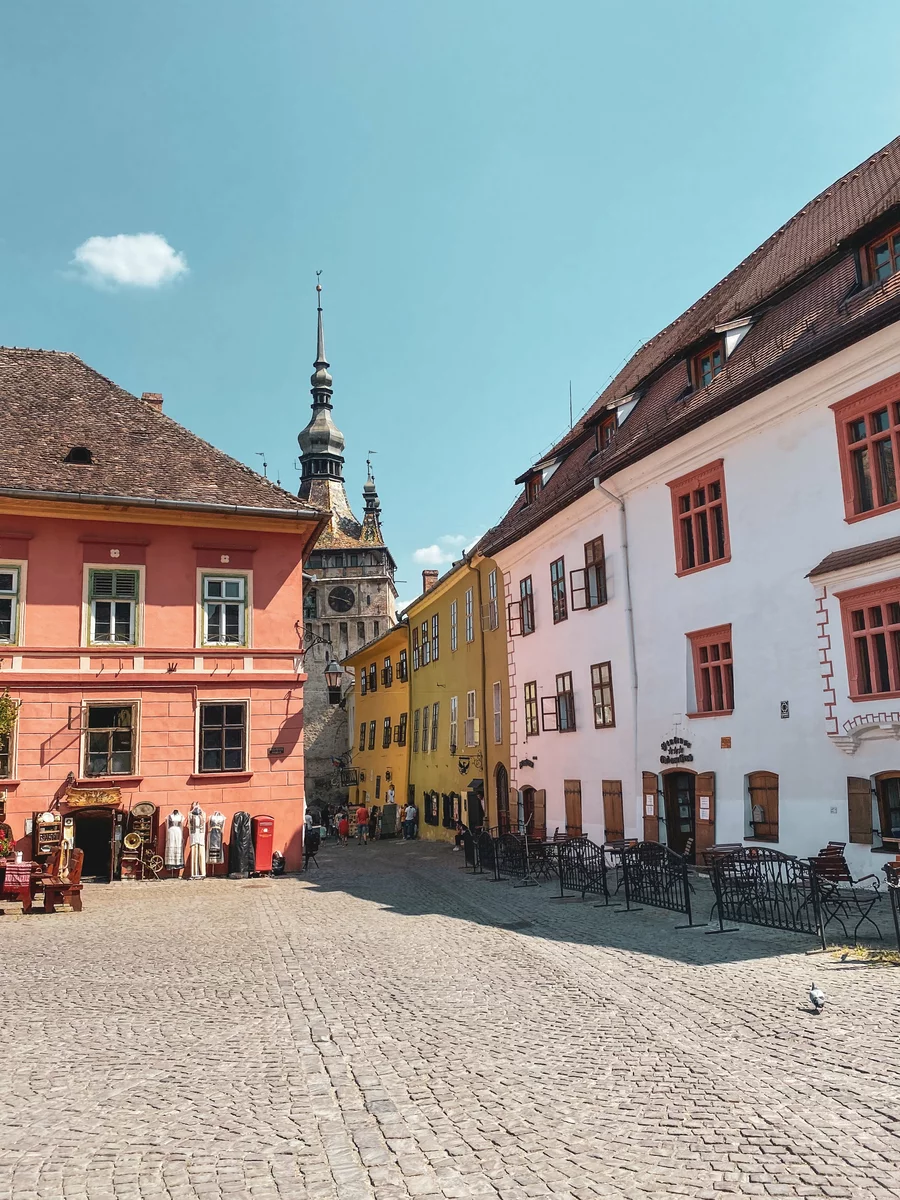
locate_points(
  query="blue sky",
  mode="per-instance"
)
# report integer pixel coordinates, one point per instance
(503, 196)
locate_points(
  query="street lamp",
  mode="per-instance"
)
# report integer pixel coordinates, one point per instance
(334, 673)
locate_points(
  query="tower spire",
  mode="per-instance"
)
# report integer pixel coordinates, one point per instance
(321, 442)
(320, 379)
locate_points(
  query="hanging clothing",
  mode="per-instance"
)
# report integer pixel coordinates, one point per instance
(197, 827)
(174, 855)
(241, 860)
(214, 845)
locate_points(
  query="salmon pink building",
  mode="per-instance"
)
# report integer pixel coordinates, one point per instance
(150, 625)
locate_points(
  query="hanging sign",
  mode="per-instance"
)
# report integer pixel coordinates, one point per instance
(675, 750)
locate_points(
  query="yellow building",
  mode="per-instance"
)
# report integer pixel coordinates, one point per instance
(379, 723)
(459, 700)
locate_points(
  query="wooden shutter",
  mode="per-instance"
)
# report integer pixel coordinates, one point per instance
(705, 804)
(513, 811)
(763, 787)
(613, 815)
(650, 805)
(578, 588)
(859, 808)
(539, 825)
(572, 789)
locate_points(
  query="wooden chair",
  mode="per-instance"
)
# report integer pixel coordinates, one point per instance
(65, 888)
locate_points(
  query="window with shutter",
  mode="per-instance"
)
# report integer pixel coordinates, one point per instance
(113, 602)
(572, 793)
(532, 727)
(371, 735)
(613, 811)
(386, 734)
(558, 590)
(454, 724)
(539, 826)
(704, 813)
(401, 729)
(859, 810)
(762, 787)
(9, 595)
(887, 788)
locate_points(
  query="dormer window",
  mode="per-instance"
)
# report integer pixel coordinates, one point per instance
(883, 256)
(706, 365)
(603, 434)
(532, 488)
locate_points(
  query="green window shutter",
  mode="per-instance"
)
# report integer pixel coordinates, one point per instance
(114, 585)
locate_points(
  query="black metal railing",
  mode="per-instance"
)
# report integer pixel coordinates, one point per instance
(486, 852)
(510, 855)
(581, 867)
(758, 886)
(892, 874)
(656, 876)
(469, 849)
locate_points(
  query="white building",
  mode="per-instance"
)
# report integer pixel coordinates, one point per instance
(750, 626)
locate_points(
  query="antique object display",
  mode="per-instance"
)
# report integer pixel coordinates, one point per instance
(174, 856)
(215, 839)
(240, 848)
(139, 857)
(48, 834)
(197, 840)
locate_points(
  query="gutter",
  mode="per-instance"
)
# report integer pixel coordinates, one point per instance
(629, 618)
(242, 510)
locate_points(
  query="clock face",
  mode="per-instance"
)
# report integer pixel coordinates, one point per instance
(341, 599)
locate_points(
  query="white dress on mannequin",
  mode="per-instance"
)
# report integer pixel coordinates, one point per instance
(174, 856)
(197, 841)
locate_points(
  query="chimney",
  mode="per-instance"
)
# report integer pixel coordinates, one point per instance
(429, 579)
(154, 399)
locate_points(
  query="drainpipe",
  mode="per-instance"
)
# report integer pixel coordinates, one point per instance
(629, 619)
(484, 731)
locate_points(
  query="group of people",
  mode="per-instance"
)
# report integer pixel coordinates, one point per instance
(367, 823)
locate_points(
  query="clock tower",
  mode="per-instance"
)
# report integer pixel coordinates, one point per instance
(352, 597)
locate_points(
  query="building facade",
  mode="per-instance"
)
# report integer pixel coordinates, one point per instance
(149, 594)
(459, 700)
(378, 710)
(741, 472)
(351, 598)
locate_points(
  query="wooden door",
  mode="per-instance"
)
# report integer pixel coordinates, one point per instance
(613, 812)
(704, 813)
(572, 789)
(539, 829)
(859, 810)
(650, 804)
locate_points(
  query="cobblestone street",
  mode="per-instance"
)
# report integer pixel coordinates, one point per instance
(394, 1027)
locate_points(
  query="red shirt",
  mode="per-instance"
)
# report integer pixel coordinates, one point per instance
(362, 815)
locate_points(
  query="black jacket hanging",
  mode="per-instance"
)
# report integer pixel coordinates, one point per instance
(240, 848)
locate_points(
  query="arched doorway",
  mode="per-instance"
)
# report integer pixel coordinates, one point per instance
(501, 785)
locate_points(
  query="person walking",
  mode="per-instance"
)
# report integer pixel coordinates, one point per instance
(373, 822)
(409, 822)
(343, 826)
(362, 825)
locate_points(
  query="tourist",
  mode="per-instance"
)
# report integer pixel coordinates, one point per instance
(343, 828)
(409, 822)
(362, 825)
(373, 822)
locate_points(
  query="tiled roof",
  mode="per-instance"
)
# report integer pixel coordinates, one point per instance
(855, 556)
(51, 401)
(800, 287)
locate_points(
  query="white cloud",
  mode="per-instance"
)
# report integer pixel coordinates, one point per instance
(143, 260)
(442, 552)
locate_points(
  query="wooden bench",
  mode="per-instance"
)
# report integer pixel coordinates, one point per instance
(65, 886)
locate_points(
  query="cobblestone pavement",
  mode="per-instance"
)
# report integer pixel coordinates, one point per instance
(394, 1027)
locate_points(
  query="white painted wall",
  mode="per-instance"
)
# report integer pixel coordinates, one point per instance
(785, 514)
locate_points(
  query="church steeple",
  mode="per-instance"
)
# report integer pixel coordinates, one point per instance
(371, 531)
(321, 442)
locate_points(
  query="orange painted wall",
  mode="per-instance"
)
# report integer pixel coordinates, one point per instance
(52, 673)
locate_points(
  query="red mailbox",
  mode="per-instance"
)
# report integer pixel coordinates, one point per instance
(263, 833)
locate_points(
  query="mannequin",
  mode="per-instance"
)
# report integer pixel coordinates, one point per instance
(174, 855)
(197, 839)
(214, 848)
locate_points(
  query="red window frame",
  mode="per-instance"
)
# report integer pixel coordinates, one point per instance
(712, 654)
(707, 364)
(889, 243)
(868, 435)
(870, 617)
(700, 519)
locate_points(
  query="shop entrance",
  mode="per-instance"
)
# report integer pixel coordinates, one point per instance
(678, 791)
(94, 835)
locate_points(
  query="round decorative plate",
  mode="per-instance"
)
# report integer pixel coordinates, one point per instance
(341, 599)
(132, 841)
(144, 808)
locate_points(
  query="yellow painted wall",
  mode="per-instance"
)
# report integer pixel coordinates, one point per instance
(392, 702)
(472, 666)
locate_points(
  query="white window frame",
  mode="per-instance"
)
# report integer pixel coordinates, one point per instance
(498, 713)
(454, 607)
(493, 609)
(110, 702)
(17, 569)
(224, 577)
(472, 730)
(13, 766)
(198, 748)
(454, 724)
(137, 604)
(470, 615)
